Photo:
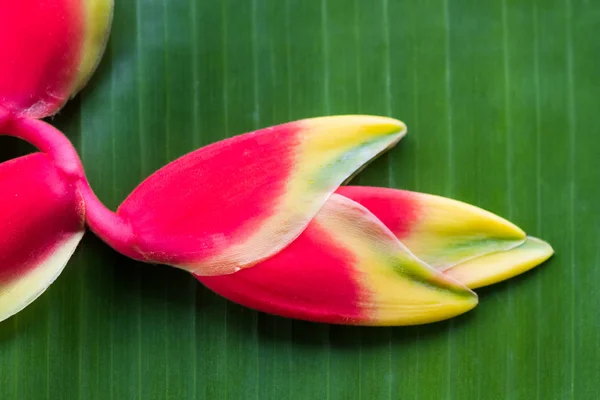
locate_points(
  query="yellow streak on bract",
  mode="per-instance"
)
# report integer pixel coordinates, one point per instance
(323, 142)
(97, 23)
(383, 268)
(450, 232)
(17, 295)
(497, 267)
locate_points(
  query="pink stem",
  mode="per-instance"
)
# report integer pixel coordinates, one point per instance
(108, 225)
(51, 141)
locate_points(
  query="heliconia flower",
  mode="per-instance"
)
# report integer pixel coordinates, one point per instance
(234, 203)
(347, 268)
(475, 246)
(49, 49)
(259, 218)
(42, 222)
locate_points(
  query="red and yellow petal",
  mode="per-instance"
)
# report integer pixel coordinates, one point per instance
(237, 202)
(478, 246)
(346, 268)
(49, 49)
(43, 221)
(502, 265)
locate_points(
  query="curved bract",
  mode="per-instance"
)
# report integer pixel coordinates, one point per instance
(43, 221)
(440, 231)
(347, 268)
(363, 258)
(475, 246)
(234, 203)
(49, 49)
(498, 266)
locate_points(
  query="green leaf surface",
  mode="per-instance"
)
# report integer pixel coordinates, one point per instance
(502, 103)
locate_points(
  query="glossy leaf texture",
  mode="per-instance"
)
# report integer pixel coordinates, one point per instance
(501, 105)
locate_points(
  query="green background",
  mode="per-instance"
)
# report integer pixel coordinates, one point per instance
(501, 98)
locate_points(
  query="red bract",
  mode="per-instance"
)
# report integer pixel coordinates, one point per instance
(259, 218)
(49, 50)
(348, 268)
(237, 202)
(42, 222)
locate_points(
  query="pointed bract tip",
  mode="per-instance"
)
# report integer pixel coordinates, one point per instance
(373, 123)
(353, 129)
(450, 232)
(440, 231)
(496, 267)
(431, 303)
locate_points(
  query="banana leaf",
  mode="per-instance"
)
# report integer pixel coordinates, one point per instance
(501, 102)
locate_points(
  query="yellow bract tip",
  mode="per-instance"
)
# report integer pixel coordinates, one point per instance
(346, 131)
(98, 16)
(497, 267)
(450, 232)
